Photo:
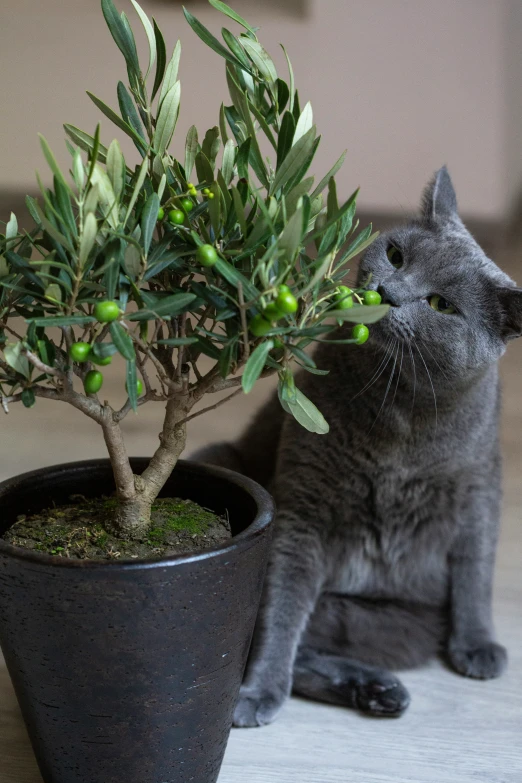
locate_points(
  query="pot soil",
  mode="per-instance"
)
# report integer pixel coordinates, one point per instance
(81, 529)
(129, 670)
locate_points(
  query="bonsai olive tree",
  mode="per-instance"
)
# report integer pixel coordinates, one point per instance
(170, 260)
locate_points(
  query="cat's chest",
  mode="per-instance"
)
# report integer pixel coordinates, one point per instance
(393, 541)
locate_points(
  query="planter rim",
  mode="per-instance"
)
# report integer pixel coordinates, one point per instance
(262, 519)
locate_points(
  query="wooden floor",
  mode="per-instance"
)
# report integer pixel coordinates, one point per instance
(456, 730)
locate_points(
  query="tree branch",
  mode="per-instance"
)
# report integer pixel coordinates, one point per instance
(244, 325)
(123, 475)
(212, 407)
(45, 368)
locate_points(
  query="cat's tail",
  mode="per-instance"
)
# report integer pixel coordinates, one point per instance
(254, 454)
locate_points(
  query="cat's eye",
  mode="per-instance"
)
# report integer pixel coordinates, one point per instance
(395, 257)
(441, 305)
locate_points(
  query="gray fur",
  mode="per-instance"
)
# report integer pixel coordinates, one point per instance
(387, 527)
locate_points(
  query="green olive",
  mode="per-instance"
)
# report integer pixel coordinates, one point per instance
(105, 312)
(161, 213)
(176, 217)
(343, 298)
(286, 301)
(79, 352)
(93, 382)
(187, 204)
(101, 361)
(272, 312)
(207, 255)
(259, 326)
(360, 332)
(372, 298)
(139, 386)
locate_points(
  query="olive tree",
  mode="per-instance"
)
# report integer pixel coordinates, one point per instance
(225, 253)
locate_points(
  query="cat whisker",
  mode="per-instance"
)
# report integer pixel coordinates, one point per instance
(396, 346)
(431, 382)
(412, 359)
(398, 376)
(425, 346)
(377, 374)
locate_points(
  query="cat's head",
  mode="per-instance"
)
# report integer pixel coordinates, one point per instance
(446, 296)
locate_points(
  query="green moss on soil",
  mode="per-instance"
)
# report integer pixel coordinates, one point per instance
(77, 530)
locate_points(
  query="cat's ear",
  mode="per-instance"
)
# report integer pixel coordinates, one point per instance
(510, 300)
(439, 200)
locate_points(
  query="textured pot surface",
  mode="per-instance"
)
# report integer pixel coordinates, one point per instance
(128, 671)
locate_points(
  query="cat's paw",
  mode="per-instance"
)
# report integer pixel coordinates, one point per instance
(257, 707)
(382, 696)
(480, 662)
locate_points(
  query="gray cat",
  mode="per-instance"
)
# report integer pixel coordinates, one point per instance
(387, 527)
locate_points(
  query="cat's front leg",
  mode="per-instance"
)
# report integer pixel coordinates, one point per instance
(472, 649)
(293, 583)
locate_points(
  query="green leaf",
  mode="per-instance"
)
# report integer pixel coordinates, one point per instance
(124, 42)
(291, 87)
(223, 124)
(15, 358)
(214, 208)
(293, 161)
(51, 160)
(191, 150)
(168, 306)
(85, 142)
(131, 117)
(162, 59)
(142, 176)
(32, 205)
(347, 206)
(122, 341)
(149, 218)
(177, 341)
(360, 314)
(103, 350)
(53, 232)
(171, 74)
(11, 229)
(207, 38)
(308, 416)
(115, 118)
(204, 169)
(132, 261)
(234, 277)
(260, 58)
(229, 158)
(132, 384)
(88, 238)
(168, 117)
(66, 320)
(225, 9)
(53, 293)
(28, 398)
(283, 94)
(255, 364)
(305, 122)
(236, 48)
(108, 201)
(116, 168)
(149, 30)
(240, 210)
(207, 347)
(360, 243)
(291, 238)
(326, 179)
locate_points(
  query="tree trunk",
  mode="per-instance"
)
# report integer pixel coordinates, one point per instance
(136, 494)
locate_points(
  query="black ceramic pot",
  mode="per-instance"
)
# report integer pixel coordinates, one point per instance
(128, 672)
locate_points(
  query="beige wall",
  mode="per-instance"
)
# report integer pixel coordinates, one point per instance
(406, 85)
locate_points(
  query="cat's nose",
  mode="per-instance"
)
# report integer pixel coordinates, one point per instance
(387, 295)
